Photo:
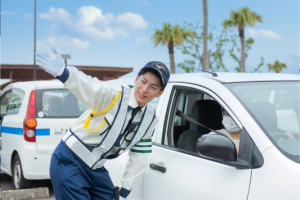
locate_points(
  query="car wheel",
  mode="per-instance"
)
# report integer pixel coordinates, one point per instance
(19, 182)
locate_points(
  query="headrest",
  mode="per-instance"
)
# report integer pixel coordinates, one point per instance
(71, 101)
(208, 113)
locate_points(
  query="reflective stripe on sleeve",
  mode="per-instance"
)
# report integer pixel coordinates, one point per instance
(141, 151)
(142, 147)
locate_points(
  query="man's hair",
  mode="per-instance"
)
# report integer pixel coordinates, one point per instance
(145, 70)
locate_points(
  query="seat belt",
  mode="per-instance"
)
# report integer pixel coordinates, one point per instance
(187, 118)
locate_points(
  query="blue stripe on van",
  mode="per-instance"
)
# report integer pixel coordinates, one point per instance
(42, 132)
(19, 131)
(12, 130)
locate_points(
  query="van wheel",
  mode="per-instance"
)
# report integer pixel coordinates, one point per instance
(19, 182)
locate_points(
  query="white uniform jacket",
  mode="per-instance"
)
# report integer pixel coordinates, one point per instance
(98, 96)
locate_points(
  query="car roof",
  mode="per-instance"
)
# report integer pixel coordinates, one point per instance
(42, 84)
(226, 77)
(222, 77)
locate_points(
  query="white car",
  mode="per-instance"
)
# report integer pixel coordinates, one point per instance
(34, 117)
(264, 106)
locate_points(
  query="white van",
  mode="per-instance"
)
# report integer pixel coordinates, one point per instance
(34, 117)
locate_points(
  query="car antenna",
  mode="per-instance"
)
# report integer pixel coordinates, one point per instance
(213, 73)
(81, 59)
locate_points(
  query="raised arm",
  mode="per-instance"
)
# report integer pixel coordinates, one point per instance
(94, 93)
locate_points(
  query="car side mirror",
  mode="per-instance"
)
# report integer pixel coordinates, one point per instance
(217, 146)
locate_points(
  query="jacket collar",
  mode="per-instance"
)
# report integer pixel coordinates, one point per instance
(133, 102)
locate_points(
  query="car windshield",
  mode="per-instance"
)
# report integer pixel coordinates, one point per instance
(275, 107)
(58, 103)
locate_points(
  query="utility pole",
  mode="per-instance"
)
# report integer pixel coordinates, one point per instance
(205, 27)
(34, 67)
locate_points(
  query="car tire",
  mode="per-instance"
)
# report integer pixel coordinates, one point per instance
(18, 180)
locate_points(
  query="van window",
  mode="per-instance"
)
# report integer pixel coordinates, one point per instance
(58, 103)
(4, 102)
(15, 101)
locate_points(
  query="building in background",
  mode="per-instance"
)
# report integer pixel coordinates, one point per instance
(16, 72)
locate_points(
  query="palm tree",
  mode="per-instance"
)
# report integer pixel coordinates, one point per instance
(205, 55)
(240, 19)
(277, 66)
(171, 36)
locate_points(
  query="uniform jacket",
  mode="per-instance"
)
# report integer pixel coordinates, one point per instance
(98, 96)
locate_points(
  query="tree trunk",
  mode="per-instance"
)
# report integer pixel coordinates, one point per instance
(241, 34)
(172, 61)
(205, 55)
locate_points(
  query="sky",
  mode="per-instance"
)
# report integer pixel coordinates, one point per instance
(118, 33)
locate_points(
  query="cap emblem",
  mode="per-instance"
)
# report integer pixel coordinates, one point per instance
(160, 67)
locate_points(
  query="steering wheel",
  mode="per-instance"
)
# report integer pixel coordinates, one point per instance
(276, 135)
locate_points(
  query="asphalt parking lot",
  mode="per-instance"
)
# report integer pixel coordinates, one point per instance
(6, 184)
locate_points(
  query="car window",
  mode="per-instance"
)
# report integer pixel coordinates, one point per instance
(198, 105)
(15, 101)
(275, 107)
(4, 102)
(58, 103)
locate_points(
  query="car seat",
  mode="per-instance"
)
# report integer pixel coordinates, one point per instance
(70, 107)
(206, 112)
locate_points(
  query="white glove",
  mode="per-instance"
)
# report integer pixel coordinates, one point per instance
(54, 65)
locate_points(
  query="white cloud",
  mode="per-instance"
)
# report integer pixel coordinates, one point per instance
(8, 13)
(142, 39)
(28, 15)
(132, 20)
(262, 34)
(62, 43)
(88, 15)
(91, 21)
(58, 14)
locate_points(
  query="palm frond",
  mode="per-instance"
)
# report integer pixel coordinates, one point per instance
(171, 35)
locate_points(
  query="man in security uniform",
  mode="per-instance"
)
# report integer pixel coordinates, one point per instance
(118, 119)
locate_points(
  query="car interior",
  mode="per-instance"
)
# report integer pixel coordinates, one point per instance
(63, 102)
(202, 108)
(71, 106)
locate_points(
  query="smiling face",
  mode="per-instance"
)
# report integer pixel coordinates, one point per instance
(147, 86)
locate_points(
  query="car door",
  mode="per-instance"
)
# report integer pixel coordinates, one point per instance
(3, 102)
(12, 130)
(189, 175)
(117, 167)
(56, 110)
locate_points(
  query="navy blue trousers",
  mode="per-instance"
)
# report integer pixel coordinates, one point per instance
(71, 179)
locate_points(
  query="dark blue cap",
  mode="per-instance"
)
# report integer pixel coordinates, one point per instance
(162, 70)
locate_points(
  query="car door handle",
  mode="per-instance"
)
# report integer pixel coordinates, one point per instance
(158, 168)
